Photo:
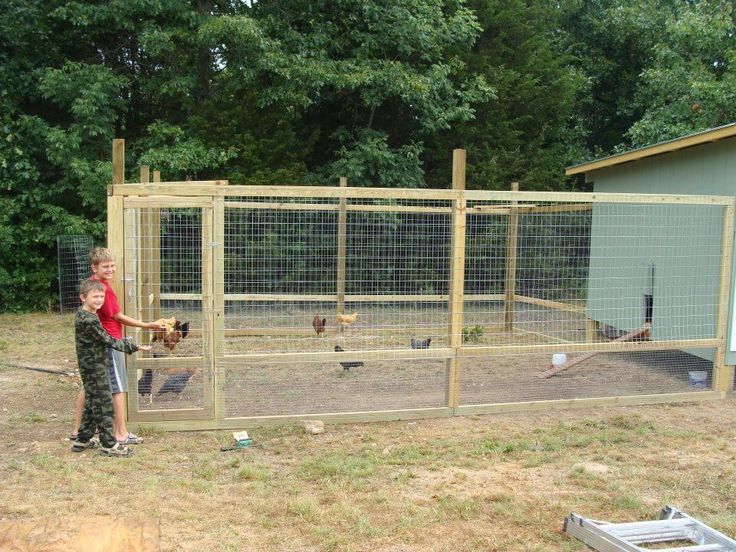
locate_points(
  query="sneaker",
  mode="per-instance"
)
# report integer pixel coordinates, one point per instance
(80, 446)
(131, 439)
(116, 450)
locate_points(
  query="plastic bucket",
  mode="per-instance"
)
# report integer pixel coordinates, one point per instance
(698, 379)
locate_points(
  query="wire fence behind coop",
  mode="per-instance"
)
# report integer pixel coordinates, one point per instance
(350, 303)
(74, 266)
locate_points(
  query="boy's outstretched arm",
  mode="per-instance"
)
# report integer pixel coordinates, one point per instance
(128, 321)
(123, 345)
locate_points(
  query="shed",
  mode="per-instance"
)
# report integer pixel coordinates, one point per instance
(703, 163)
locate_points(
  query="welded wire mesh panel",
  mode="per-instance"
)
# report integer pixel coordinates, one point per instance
(596, 273)
(397, 253)
(74, 266)
(321, 278)
(553, 252)
(272, 251)
(170, 388)
(287, 326)
(514, 377)
(373, 278)
(295, 387)
(164, 248)
(285, 267)
(279, 274)
(658, 262)
(169, 256)
(619, 265)
(484, 324)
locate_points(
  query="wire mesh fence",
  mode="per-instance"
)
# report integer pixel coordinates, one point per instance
(339, 302)
(74, 266)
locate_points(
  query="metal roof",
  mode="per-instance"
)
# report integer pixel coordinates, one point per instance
(711, 135)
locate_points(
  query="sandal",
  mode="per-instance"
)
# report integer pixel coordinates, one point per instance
(131, 439)
(116, 450)
(80, 446)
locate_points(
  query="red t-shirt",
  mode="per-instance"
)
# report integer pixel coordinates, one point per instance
(109, 309)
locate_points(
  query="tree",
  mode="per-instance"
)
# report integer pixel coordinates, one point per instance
(526, 132)
(367, 81)
(612, 42)
(689, 84)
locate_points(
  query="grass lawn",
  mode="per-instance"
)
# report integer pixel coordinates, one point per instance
(498, 483)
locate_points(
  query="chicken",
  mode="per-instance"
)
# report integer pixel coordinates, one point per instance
(167, 324)
(420, 344)
(612, 333)
(175, 384)
(144, 384)
(346, 366)
(347, 319)
(319, 324)
(146, 380)
(174, 332)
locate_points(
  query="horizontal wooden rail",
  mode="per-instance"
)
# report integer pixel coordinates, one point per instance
(210, 189)
(245, 359)
(160, 418)
(271, 297)
(558, 404)
(600, 346)
(556, 305)
(439, 353)
(286, 206)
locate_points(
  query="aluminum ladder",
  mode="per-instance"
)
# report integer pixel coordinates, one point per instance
(673, 526)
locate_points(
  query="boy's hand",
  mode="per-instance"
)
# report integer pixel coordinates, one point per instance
(155, 327)
(145, 347)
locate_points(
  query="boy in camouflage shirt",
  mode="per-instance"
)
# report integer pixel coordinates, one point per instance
(92, 342)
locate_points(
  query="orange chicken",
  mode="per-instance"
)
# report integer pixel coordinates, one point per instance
(347, 319)
(174, 332)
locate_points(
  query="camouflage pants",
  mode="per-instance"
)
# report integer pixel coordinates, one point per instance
(98, 413)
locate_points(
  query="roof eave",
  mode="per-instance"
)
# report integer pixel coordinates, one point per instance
(712, 135)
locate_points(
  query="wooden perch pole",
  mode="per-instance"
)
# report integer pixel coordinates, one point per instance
(636, 335)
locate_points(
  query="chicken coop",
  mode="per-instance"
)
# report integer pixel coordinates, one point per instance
(703, 162)
(357, 304)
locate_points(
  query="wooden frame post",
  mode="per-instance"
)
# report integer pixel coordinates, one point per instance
(145, 247)
(208, 305)
(155, 256)
(457, 279)
(511, 253)
(218, 305)
(118, 161)
(342, 220)
(115, 219)
(722, 374)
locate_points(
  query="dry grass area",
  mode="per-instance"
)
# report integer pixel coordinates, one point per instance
(491, 483)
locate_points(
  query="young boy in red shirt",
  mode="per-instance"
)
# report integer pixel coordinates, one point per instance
(112, 319)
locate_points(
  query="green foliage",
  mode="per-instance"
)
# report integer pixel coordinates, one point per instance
(689, 84)
(307, 91)
(472, 334)
(612, 42)
(527, 130)
(181, 157)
